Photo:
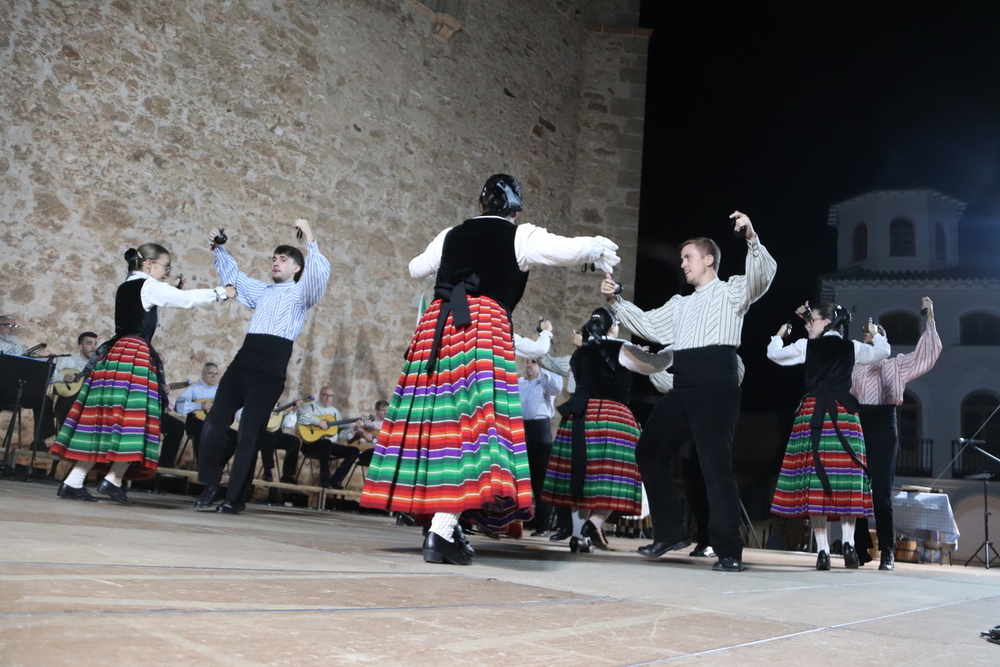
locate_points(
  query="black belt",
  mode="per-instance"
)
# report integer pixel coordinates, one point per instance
(826, 402)
(576, 410)
(454, 299)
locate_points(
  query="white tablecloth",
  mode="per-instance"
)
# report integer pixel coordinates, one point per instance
(918, 515)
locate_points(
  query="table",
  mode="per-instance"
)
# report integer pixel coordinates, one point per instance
(924, 516)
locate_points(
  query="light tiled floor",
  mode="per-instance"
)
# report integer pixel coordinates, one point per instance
(101, 584)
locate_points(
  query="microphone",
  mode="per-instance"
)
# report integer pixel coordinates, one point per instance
(57, 356)
(969, 441)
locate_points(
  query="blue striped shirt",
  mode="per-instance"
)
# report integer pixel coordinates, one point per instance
(279, 308)
(195, 392)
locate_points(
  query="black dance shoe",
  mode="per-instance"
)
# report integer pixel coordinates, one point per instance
(439, 550)
(728, 564)
(540, 533)
(595, 534)
(657, 549)
(851, 561)
(888, 561)
(288, 479)
(702, 551)
(209, 495)
(580, 545)
(560, 535)
(69, 493)
(822, 561)
(228, 507)
(463, 541)
(268, 476)
(116, 493)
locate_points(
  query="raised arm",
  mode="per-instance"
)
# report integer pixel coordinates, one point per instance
(922, 359)
(552, 383)
(155, 293)
(248, 290)
(532, 349)
(655, 325)
(429, 261)
(535, 246)
(316, 272)
(872, 354)
(638, 360)
(786, 355)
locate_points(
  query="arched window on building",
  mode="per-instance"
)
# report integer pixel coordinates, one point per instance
(976, 410)
(859, 243)
(902, 238)
(909, 422)
(979, 329)
(901, 328)
(940, 244)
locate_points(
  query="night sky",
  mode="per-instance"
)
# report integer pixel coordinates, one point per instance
(784, 111)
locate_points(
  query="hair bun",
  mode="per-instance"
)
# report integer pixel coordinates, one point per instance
(131, 255)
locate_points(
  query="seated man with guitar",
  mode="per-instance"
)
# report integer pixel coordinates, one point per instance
(196, 402)
(66, 384)
(319, 423)
(274, 438)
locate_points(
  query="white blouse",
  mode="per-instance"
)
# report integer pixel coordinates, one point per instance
(155, 293)
(790, 355)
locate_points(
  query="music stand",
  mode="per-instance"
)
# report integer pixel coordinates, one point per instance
(24, 386)
(986, 547)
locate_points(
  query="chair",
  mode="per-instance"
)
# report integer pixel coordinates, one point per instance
(942, 548)
(364, 460)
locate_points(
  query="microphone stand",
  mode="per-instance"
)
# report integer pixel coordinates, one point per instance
(965, 444)
(986, 547)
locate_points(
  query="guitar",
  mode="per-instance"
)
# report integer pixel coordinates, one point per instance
(30, 352)
(274, 421)
(312, 432)
(201, 414)
(68, 389)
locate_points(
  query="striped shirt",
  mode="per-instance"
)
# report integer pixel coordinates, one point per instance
(311, 413)
(195, 392)
(538, 396)
(884, 382)
(279, 308)
(713, 315)
(560, 366)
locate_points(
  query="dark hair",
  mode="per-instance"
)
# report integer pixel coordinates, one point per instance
(379, 404)
(839, 317)
(501, 195)
(85, 334)
(598, 326)
(151, 251)
(209, 363)
(706, 246)
(296, 256)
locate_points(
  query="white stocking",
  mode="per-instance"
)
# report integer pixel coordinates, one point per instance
(444, 524)
(847, 528)
(819, 529)
(118, 469)
(597, 517)
(579, 516)
(78, 474)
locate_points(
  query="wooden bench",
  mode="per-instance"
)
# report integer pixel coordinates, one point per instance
(314, 492)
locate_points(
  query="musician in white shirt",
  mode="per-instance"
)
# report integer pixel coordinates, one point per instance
(320, 413)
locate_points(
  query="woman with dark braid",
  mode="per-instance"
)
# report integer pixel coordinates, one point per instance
(824, 472)
(115, 420)
(592, 467)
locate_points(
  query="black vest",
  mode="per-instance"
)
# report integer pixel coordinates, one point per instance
(130, 317)
(484, 247)
(598, 373)
(829, 363)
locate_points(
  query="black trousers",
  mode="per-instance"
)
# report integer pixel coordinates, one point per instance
(697, 496)
(269, 442)
(882, 446)
(62, 407)
(172, 432)
(193, 427)
(708, 413)
(538, 437)
(257, 393)
(323, 450)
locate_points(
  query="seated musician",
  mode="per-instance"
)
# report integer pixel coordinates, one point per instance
(274, 438)
(196, 402)
(171, 428)
(318, 442)
(366, 429)
(8, 335)
(67, 368)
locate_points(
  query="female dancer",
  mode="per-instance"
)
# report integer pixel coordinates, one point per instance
(824, 471)
(116, 417)
(592, 467)
(453, 439)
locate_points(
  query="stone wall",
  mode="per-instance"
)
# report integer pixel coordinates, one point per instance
(127, 121)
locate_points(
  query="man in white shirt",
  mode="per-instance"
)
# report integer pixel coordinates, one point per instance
(538, 388)
(8, 335)
(704, 329)
(67, 369)
(198, 398)
(320, 414)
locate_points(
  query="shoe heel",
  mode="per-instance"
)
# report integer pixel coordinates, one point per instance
(432, 556)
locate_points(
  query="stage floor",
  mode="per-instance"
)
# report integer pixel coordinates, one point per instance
(157, 583)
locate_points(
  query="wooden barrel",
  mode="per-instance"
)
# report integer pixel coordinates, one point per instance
(906, 551)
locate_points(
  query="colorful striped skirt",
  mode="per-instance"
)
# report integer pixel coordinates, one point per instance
(800, 491)
(116, 415)
(454, 440)
(612, 478)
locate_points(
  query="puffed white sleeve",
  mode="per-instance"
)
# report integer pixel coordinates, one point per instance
(531, 349)
(643, 361)
(155, 293)
(786, 355)
(874, 353)
(429, 260)
(535, 246)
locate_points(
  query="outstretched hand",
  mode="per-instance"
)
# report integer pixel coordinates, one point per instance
(304, 229)
(804, 311)
(743, 222)
(609, 286)
(784, 331)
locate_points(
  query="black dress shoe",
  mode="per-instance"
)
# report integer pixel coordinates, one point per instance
(288, 479)
(702, 551)
(439, 550)
(851, 561)
(595, 534)
(228, 507)
(206, 500)
(540, 533)
(336, 486)
(822, 561)
(888, 561)
(69, 493)
(463, 541)
(116, 493)
(657, 549)
(561, 534)
(405, 520)
(267, 476)
(580, 545)
(728, 564)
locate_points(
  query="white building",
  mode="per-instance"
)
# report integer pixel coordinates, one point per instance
(894, 247)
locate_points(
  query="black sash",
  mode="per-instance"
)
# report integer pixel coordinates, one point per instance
(826, 403)
(576, 410)
(697, 366)
(454, 299)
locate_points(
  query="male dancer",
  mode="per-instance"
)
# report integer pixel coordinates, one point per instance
(879, 389)
(256, 377)
(705, 329)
